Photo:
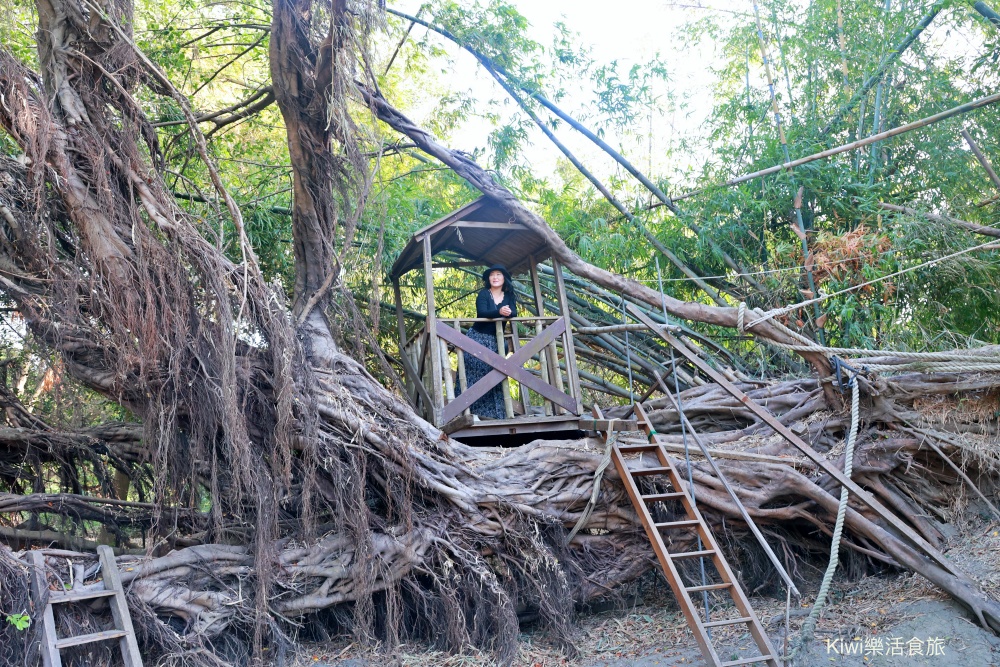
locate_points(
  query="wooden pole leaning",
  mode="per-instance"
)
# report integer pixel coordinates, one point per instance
(432, 343)
(977, 151)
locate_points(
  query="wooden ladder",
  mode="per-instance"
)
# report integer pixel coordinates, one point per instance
(709, 548)
(50, 644)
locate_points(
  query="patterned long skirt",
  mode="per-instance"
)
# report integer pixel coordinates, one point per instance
(490, 405)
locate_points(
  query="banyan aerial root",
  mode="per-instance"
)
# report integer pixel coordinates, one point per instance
(501, 526)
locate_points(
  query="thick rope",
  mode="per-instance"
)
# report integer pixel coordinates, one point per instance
(950, 361)
(809, 627)
(598, 476)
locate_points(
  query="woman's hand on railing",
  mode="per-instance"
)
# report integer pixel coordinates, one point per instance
(505, 311)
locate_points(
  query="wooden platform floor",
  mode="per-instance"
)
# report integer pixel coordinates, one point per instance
(465, 426)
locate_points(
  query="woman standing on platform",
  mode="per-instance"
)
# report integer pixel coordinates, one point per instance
(495, 301)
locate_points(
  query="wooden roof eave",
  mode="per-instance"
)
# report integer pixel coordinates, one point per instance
(414, 248)
(489, 241)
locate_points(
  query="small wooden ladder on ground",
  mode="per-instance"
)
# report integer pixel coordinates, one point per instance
(50, 644)
(694, 523)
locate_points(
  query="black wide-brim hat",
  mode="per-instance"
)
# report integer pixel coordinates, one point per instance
(502, 269)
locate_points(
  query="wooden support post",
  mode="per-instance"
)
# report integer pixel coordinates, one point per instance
(409, 377)
(508, 405)
(449, 381)
(571, 377)
(545, 357)
(516, 344)
(432, 343)
(40, 598)
(463, 382)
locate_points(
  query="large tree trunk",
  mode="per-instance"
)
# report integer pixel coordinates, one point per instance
(327, 491)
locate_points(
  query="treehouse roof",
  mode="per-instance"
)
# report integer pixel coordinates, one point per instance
(482, 231)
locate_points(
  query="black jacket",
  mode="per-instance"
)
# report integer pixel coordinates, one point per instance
(486, 307)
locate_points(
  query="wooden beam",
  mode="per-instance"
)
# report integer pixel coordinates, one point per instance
(519, 425)
(571, 376)
(401, 328)
(548, 364)
(432, 343)
(474, 224)
(456, 265)
(40, 597)
(595, 424)
(119, 608)
(797, 442)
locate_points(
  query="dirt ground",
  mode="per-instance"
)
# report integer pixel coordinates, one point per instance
(887, 621)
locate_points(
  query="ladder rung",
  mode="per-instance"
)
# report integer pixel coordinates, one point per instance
(732, 621)
(708, 587)
(626, 449)
(75, 596)
(678, 524)
(693, 554)
(656, 497)
(647, 472)
(747, 661)
(89, 639)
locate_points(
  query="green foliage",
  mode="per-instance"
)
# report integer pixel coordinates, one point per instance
(217, 53)
(21, 622)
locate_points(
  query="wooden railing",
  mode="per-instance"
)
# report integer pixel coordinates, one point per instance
(536, 377)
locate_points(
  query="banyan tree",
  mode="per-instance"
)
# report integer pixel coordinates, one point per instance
(267, 485)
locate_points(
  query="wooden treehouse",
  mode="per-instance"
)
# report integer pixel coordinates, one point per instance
(538, 375)
(542, 394)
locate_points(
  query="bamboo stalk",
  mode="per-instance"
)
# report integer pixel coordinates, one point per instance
(842, 42)
(612, 328)
(982, 158)
(987, 13)
(614, 363)
(883, 66)
(896, 131)
(972, 227)
(508, 404)
(806, 258)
